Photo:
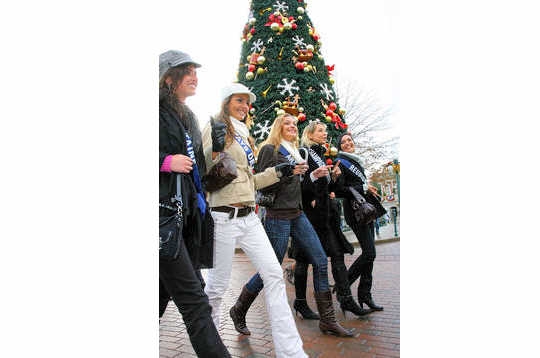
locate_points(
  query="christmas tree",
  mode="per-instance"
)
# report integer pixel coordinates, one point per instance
(281, 62)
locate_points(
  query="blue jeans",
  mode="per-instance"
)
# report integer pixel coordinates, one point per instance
(306, 239)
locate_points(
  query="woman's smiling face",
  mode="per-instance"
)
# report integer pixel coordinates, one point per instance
(289, 131)
(239, 106)
(347, 144)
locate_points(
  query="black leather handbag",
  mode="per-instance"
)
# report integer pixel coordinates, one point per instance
(364, 212)
(221, 174)
(170, 227)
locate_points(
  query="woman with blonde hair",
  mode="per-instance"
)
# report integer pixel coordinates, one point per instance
(236, 223)
(285, 218)
(317, 206)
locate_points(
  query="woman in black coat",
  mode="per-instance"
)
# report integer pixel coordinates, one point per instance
(181, 154)
(354, 176)
(322, 215)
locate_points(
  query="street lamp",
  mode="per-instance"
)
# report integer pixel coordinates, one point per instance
(393, 168)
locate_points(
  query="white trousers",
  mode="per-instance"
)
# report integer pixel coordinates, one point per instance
(249, 234)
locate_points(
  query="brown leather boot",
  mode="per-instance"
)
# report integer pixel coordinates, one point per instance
(239, 310)
(328, 323)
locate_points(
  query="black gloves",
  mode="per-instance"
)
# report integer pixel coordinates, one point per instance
(219, 129)
(284, 170)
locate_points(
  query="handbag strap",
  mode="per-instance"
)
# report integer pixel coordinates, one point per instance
(357, 196)
(177, 198)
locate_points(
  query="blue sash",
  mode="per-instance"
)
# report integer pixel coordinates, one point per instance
(353, 169)
(318, 161)
(249, 153)
(287, 155)
(201, 203)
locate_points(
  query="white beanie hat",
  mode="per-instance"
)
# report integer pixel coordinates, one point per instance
(237, 88)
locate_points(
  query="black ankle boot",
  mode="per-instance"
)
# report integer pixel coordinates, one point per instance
(300, 305)
(370, 303)
(347, 303)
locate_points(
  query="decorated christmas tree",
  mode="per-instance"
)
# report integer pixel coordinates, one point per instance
(282, 63)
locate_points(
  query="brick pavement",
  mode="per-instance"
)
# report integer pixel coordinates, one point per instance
(376, 335)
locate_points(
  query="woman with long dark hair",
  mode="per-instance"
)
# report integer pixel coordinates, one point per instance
(354, 176)
(181, 155)
(236, 223)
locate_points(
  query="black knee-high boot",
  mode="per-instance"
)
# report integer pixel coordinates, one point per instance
(300, 285)
(344, 295)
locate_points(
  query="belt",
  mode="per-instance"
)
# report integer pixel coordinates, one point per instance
(231, 210)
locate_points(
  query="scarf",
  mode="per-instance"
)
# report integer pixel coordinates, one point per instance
(352, 156)
(240, 127)
(293, 151)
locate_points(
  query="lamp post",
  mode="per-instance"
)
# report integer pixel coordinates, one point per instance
(393, 167)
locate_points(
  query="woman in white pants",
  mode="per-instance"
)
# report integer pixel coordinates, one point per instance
(236, 223)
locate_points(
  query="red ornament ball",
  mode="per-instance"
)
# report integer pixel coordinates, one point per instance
(299, 66)
(332, 106)
(329, 161)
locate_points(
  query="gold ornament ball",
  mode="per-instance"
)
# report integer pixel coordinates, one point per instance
(310, 32)
(331, 79)
(249, 76)
(278, 103)
(328, 118)
(261, 59)
(287, 26)
(300, 10)
(280, 112)
(310, 47)
(333, 151)
(342, 111)
(276, 13)
(300, 17)
(260, 71)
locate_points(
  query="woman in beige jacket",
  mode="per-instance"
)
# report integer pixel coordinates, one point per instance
(236, 223)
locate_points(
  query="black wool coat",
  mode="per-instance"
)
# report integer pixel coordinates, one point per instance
(352, 180)
(197, 229)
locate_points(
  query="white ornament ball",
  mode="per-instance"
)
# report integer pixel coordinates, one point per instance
(310, 47)
(249, 76)
(300, 10)
(274, 26)
(252, 21)
(261, 59)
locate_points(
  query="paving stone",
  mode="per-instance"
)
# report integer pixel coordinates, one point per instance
(375, 335)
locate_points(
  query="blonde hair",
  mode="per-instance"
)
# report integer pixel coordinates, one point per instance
(309, 130)
(275, 137)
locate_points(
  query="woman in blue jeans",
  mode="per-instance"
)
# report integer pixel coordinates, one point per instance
(285, 218)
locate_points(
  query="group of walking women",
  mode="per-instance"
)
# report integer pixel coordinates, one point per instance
(301, 185)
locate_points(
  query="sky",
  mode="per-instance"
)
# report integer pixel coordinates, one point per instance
(358, 37)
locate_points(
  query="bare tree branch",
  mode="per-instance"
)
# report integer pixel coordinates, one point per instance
(367, 119)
